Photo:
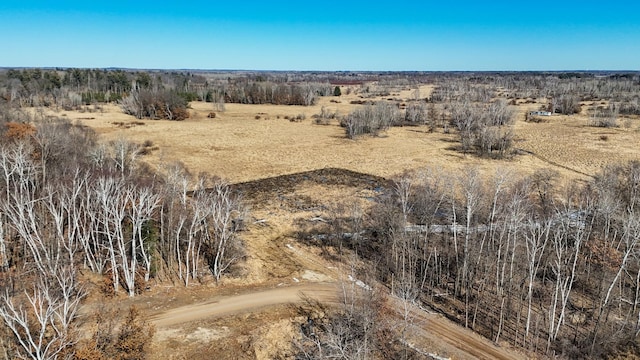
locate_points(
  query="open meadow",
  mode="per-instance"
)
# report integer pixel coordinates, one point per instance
(249, 142)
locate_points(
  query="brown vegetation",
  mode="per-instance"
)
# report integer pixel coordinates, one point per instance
(541, 260)
(128, 338)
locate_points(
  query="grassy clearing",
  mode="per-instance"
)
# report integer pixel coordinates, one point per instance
(238, 147)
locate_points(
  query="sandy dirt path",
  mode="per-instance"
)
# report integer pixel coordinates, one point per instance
(236, 304)
(466, 341)
(462, 339)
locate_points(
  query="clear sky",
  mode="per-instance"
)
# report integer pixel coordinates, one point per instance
(322, 35)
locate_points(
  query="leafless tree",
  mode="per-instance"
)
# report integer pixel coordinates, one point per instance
(142, 204)
(225, 208)
(416, 113)
(607, 117)
(196, 231)
(371, 119)
(630, 238)
(111, 206)
(565, 258)
(124, 155)
(535, 240)
(471, 188)
(43, 319)
(132, 104)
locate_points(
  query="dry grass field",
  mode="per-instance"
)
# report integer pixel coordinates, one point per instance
(250, 142)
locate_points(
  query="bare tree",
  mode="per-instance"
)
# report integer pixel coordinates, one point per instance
(225, 208)
(124, 155)
(371, 119)
(471, 187)
(24, 213)
(132, 104)
(565, 255)
(111, 207)
(536, 240)
(196, 231)
(43, 323)
(630, 237)
(142, 204)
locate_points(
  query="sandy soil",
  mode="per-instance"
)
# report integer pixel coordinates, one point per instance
(464, 343)
(230, 305)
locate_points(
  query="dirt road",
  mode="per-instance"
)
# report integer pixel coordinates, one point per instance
(244, 302)
(466, 340)
(459, 338)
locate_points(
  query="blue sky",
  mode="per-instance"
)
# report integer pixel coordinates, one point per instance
(322, 35)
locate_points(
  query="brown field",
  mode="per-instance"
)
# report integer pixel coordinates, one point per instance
(238, 147)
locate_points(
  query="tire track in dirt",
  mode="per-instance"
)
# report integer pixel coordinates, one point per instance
(553, 163)
(466, 340)
(462, 339)
(236, 304)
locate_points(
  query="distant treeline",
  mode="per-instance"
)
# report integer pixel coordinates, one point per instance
(76, 87)
(73, 88)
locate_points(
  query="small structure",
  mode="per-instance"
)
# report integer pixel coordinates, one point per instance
(539, 113)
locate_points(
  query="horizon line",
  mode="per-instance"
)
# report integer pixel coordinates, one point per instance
(317, 71)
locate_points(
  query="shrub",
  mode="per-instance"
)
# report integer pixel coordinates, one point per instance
(631, 108)
(565, 104)
(494, 141)
(188, 96)
(535, 119)
(325, 116)
(415, 114)
(485, 129)
(19, 131)
(155, 105)
(605, 117)
(128, 340)
(371, 119)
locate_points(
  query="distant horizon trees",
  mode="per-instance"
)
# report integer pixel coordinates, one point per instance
(146, 94)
